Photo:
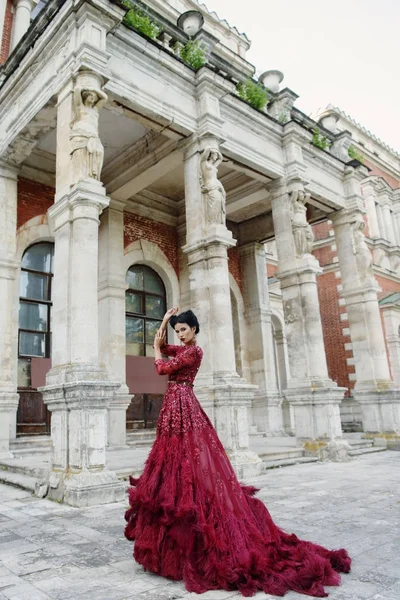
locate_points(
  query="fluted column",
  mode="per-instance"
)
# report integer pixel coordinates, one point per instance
(370, 205)
(314, 397)
(8, 268)
(22, 20)
(267, 403)
(112, 286)
(387, 218)
(224, 395)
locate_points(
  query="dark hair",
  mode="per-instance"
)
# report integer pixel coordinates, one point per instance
(187, 317)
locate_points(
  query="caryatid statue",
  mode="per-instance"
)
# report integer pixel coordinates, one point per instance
(87, 151)
(213, 191)
(360, 248)
(302, 230)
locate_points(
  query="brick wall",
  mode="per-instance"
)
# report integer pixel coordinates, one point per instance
(392, 181)
(271, 270)
(321, 230)
(388, 286)
(6, 39)
(165, 236)
(234, 265)
(33, 200)
(333, 326)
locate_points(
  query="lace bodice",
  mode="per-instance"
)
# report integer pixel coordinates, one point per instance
(183, 366)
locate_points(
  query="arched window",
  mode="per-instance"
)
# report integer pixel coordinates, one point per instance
(145, 308)
(34, 337)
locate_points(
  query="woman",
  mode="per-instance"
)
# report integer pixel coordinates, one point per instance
(192, 520)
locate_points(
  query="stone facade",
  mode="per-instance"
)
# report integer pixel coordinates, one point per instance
(124, 157)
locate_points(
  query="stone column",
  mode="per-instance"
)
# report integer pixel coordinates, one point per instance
(267, 403)
(370, 204)
(22, 20)
(374, 388)
(391, 319)
(314, 397)
(8, 268)
(396, 213)
(224, 395)
(381, 222)
(78, 392)
(112, 288)
(387, 218)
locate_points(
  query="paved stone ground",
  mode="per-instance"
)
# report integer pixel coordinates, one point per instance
(50, 551)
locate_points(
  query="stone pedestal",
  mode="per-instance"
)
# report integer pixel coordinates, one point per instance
(267, 403)
(313, 396)
(224, 395)
(78, 392)
(112, 288)
(374, 389)
(8, 269)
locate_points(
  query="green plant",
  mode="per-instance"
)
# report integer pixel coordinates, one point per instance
(140, 21)
(354, 154)
(320, 140)
(284, 117)
(253, 93)
(193, 54)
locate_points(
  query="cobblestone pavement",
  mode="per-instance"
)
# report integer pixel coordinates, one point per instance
(51, 551)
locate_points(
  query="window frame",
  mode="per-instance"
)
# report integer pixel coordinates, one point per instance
(47, 303)
(143, 294)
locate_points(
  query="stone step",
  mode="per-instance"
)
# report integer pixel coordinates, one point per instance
(18, 466)
(280, 454)
(360, 451)
(287, 462)
(28, 445)
(18, 480)
(359, 445)
(141, 437)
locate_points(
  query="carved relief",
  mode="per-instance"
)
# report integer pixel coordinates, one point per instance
(361, 250)
(302, 230)
(214, 196)
(87, 151)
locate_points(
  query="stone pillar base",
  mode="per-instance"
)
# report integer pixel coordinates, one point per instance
(8, 407)
(380, 410)
(268, 414)
(316, 411)
(86, 488)
(232, 398)
(117, 417)
(246, 464)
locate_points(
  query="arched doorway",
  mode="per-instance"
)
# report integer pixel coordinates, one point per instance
(34, 337)
(145, 308)
(281, 366)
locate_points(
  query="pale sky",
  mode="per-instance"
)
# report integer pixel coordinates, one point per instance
(345, 52)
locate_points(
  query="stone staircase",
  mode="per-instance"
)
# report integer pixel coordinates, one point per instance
(29, 467)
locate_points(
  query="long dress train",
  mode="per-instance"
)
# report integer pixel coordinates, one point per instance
(192, 520)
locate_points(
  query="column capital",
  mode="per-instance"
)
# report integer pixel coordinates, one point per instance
(346, 217)
(87, 199)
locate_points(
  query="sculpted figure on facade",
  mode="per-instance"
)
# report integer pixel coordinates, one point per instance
(302, 230)
(360, 248)
(213, 191)
(87, 151)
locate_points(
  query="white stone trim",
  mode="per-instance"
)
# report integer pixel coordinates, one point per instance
(148, 253)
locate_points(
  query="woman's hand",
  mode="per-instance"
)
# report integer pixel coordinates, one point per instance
(170, 313)
(159, 339)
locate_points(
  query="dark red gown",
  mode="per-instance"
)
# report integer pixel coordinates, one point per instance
(192, 520)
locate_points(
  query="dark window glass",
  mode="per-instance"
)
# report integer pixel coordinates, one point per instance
(145, 308)
(34, 339)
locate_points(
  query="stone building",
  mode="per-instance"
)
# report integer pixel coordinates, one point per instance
(137, 174)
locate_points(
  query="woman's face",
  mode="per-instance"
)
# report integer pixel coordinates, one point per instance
(185, 333)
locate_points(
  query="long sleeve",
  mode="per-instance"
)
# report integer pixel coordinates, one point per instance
(187, 358)
(169, 349)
